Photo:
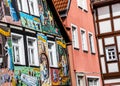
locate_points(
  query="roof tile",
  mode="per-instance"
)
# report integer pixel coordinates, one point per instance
(60, 5)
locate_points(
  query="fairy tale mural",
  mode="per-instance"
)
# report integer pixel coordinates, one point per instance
(6, 60)
(36, 53)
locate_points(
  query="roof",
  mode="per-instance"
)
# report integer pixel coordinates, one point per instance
(62, 6)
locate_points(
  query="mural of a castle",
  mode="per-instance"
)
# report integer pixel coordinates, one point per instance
(32, 50)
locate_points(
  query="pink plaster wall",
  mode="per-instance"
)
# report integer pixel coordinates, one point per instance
(83, 61)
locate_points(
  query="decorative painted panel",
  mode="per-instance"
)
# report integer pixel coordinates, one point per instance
(48, 23)
(30, 21)
(9, 12)
(6, 63)
(43, 60)
(26, 76)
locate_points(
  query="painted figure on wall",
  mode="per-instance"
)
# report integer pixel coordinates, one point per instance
(44, 70)
(43, 58)
(13, 11)
(46, 18)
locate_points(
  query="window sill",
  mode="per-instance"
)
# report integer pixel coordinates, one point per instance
(76, 48)
(83, 9)
(86, 51)
(93, 53)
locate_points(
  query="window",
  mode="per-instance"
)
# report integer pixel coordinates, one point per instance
(80, 79)
(75, 37)
(23, 6)
(91, 41)
(82, 4)
(30, 6)
(52, 54)
(32, 51)
(93, 82)
(111, 53)
(33, 7)
(18, 49)
(84, 41)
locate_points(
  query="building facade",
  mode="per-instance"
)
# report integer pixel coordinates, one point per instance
(84, 63)
(106, 19)
(33, 44)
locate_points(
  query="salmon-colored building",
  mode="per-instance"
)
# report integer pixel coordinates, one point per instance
(84, 63)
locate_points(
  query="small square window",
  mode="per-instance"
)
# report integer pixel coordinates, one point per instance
(93, 82)
(111, 53)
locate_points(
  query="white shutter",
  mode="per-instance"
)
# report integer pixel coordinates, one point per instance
(93, 47)
(80, 3)
(85, 42)
(76, 39)
(85, 5)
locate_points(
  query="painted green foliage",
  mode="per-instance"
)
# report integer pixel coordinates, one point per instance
(27, 76)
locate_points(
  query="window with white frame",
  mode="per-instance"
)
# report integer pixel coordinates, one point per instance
(80, 80)
(28, 6)
(82, 4)
(18, 49)
(32, 51)
(111, 53)
(52, 54)
(84, 40)
(22, 5)
(75, 36)
(91, 42)
(93, 82)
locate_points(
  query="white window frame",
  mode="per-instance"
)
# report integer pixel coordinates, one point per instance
(82, 79)
(20, 46)
(82, 4)
(83, 39)
(24, 5)
(75, 40)
(33, 10)
(52, 60)
(94, 77)
(91, 43)
(35, 52)
(27, 7)
(107, 53)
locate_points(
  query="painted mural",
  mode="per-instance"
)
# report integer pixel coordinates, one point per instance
(48, 24)
(26, 76)
(9, 12)
(30, 21)
(61, 75)
(6, 67)
(43, 58)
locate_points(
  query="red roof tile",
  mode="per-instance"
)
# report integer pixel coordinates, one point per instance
(60, 5)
